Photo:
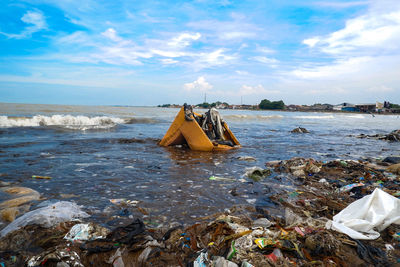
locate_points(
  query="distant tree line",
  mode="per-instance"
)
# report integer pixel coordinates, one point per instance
(396, 106)
(266, 104)
(208, 105)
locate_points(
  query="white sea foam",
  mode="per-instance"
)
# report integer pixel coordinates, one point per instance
(65, 121)
(357, 116)
(252, 117)
(325, 117)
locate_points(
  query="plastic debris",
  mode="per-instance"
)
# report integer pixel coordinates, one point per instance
(246, 158)
(358, 220)
(257, 173)
(348, 187)
(262, 222)
(201, 260)
(275, 255)
(71, 258)
(48, 216)
(396, 236)
(266, 242)
(123, 201)
(84, 232)
(41, 177)
(116, 259)
(246, 264)
(221, 262)
(218, 178)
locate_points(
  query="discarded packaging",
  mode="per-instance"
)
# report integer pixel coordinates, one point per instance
(48, 216)
(348, 187)
(217, 178)
(84, 232)
(358, 220)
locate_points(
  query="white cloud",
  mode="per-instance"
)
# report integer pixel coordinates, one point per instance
(199, 85)
(270, 61)
(37, 21)
(183, 40)
(311, 42)
(255, 90)
(347, 4)
(242, 72)
(111, 34)
(216, 31)
(210, 59)
(336, 69)
(377, 31)
(168, 61)
(265, 50)
(361, 58)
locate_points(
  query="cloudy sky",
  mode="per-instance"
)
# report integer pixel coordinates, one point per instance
(128, 52)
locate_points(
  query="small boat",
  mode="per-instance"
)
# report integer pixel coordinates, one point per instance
(206, 132)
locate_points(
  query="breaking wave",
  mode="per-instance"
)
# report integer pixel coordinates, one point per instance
(326, 117)
(64, 121)
(252, 117)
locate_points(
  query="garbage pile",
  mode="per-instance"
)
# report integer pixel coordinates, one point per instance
(331, 198)
(393, 136)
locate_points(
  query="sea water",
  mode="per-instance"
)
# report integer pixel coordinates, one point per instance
(102, 156)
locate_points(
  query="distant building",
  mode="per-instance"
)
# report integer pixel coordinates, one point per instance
(366, 107)
(345, 107)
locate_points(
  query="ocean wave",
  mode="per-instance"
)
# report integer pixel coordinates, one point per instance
(326, 117)
(64, 121)
(252, 117)
(357, 116)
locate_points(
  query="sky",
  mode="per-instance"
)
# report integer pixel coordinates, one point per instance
(143, 53)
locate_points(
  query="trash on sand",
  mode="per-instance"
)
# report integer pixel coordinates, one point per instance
(48, 216)
(358, 220)
(201, 260)
(84, 232)
(41, 177)
(348, 187)
(221, 262)
(218, 178)
(71, 258)
(262, 222)
(275, 255)
(116, 259)
(265, 242)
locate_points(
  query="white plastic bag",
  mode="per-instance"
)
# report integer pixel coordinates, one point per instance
(48, 216)
(358, 220)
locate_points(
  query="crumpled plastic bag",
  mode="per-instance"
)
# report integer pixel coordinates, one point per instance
(84, 232)
(358, 220)
(62, 211)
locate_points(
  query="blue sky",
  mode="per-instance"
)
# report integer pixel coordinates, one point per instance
(155, 52)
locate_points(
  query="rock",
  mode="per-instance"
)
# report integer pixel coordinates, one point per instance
(299, 130)
(392, 159)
